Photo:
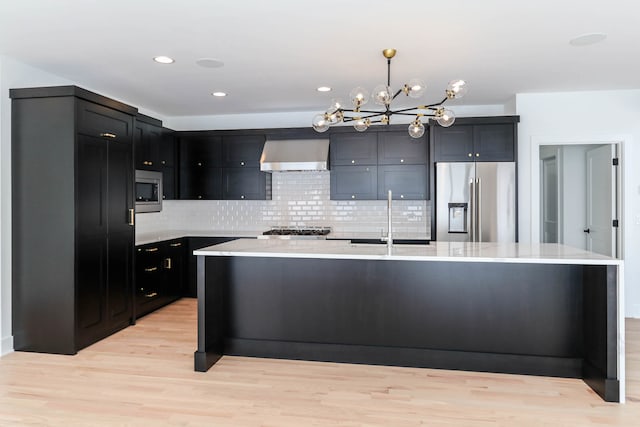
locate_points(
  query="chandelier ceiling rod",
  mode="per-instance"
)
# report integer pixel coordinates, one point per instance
(383, 95)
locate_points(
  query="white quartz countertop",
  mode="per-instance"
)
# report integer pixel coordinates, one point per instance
(547, 253)
(159, 236)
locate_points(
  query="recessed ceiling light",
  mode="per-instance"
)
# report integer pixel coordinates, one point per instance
(587, 39)
(210, 63)
(164, 60)
(324, 89)
(219, 94)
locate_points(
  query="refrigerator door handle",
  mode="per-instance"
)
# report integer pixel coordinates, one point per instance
(472, 210)
(479, 207)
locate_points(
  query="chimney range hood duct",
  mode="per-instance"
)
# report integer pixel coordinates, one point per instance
(284, 155)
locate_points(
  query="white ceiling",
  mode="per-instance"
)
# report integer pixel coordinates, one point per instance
(277, 52)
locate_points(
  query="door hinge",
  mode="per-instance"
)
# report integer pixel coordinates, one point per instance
(615, 222)
(615, 161)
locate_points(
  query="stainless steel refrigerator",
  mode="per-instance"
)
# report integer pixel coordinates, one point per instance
(476, 202)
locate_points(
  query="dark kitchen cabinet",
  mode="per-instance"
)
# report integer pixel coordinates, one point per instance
(147, 139)
(200, 171)
(481, 142)
(406, 182)
(244, 183)
(168, 153)
(190, 266)
(354, 182)
(72, 219)
(159, 275)
(398, 148)
(242, 150)
(354, 149)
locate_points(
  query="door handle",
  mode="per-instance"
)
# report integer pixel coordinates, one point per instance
(472, 210)
(132, 217)
(479, 207)
(588, 230)
(167, 263)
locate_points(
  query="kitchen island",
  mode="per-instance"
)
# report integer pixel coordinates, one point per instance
(543, 309)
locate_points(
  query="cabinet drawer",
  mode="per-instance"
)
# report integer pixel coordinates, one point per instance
(97, 120)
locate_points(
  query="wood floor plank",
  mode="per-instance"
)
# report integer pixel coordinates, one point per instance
(144, 375)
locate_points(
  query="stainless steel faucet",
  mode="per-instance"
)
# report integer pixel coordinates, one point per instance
(389, 238)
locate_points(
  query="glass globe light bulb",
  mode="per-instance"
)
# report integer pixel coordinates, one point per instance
(336, 104)
(361, 124)
(445, 118)
(382, 95)
(416, 129)
(456, 89)
(320, 123)
(359, 96)
(416, 88)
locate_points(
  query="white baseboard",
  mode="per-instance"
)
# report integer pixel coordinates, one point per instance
(6, 345)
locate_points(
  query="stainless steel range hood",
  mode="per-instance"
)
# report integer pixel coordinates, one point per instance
(285, 155)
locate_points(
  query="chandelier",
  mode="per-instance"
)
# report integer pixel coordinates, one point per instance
(383, 95)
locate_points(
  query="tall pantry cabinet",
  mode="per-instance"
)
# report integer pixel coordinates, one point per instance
(72, 218)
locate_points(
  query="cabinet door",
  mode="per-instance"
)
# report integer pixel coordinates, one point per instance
(454, 144)
(354, 182)
(147, 146)
(406, 182)
(242, 150)
(354, 149)
(173, 266)
(167, 149)
(247, 183)
(398, 148)
(494, 143)
(103, 122)
(201, 183)
(120, 202)
(91, 240)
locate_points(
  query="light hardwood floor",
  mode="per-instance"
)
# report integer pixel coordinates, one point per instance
(144, 376)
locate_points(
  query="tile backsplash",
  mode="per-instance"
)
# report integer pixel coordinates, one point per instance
(298, 199)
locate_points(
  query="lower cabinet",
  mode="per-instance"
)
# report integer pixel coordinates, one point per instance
(159, 275)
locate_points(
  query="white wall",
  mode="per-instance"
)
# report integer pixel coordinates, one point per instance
(583, 117)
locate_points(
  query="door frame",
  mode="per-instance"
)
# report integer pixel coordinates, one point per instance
(536, 143)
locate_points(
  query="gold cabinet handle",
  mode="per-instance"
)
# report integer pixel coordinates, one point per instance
(167, 263)
(108, 135)
(150, 269)
(132, 217)
(151, 294)
(151, 249)
(176, 245)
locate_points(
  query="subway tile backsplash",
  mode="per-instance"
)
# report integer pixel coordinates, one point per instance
(298, 199)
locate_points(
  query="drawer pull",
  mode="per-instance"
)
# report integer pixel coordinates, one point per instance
(108, 135)
(151, 295)
(150, 269)
(132, 217)
(167, 263)
(176, 245)
(151, 249)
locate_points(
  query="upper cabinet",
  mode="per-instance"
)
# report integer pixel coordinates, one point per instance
(476, 140)
(398, 148)
(147, 137)
(365, 166)
(354, 149)
(215, 167)
(242, 150)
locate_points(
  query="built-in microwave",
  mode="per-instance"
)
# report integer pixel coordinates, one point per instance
(148, 191)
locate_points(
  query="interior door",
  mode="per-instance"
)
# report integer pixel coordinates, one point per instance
(601, 200)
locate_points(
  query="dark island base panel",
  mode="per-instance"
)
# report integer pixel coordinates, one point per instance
(537, 319)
